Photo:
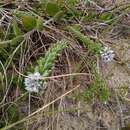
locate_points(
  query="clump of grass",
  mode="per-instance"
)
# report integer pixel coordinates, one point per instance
(98, 89)
(12, 115)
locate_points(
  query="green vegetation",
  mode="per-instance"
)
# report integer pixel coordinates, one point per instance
(97, 90)
(66, 47)
(46, 64)
(92, 46)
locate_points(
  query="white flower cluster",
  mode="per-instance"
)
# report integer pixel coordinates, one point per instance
(33, 82)
(107, 54)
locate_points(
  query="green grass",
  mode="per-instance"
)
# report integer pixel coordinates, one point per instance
(54, 38)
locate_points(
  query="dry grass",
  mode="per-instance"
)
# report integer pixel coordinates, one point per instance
(59, 108)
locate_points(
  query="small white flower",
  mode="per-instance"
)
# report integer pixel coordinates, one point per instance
(107, 54)
(33, 82)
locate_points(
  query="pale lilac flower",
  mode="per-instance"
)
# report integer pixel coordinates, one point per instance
(33, 82)
(107, 54)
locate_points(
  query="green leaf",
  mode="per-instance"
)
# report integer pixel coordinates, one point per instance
(13, 41)
(77, 27)
(39, 25)
(106, 16)
(2, 33)
(13, 113)
(16, 29)
(4, 43)
(91, 16)
(59, 16)
(52, 8)
(72, 2)
(29, 22)
(17, 39)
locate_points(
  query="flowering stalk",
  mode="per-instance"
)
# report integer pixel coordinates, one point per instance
(106, 53)
(45, 65)
(94, 47)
